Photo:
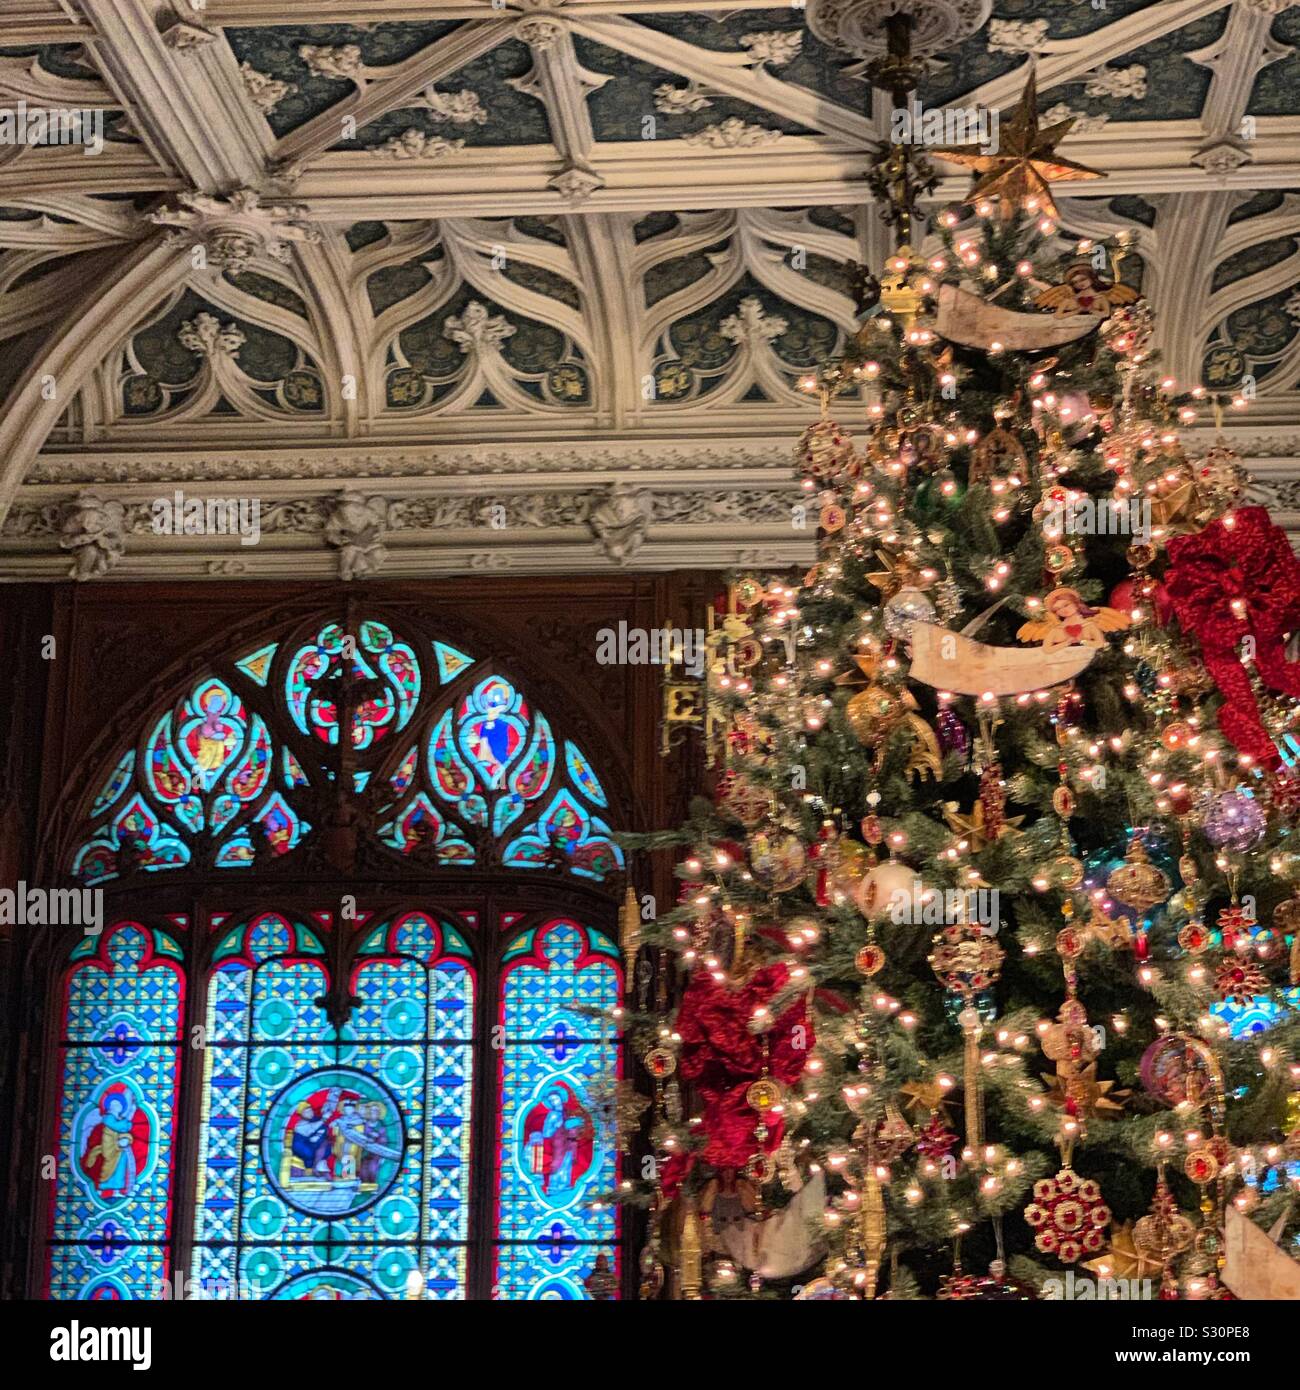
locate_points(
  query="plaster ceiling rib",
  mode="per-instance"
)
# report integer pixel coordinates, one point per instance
(561, 83)
(733, 74)
(188, 106)
(40, 21)
(1072, 58)
(1235, 59)
(100, 220)
(123, 286)
(600, 247)
(1193, 230)
(1190, 228)
(393, 88)
(323, 268)
(650, 176)
(127, 169)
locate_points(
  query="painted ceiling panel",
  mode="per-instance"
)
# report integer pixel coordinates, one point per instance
(277, 53)
(645, 102)
(477, 105)
(1277, 88)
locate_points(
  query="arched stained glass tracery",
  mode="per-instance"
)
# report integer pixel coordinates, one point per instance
(110, 1223)
(460, 768)
(338, 1159)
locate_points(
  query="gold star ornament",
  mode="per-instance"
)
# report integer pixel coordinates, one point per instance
(1077, 1091)
(1025, 162)
(1124, 1259)
(971, 827)
(925, 1097)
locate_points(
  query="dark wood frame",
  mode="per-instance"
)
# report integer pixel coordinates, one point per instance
(526, 627)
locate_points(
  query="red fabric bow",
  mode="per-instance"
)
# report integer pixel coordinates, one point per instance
(1239, 578)
(721, 1058)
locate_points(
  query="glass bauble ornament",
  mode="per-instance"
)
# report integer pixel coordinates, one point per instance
(1235, 821)
(821, 1290)
(1178, 1068)
(892, 889)
(777, 858)
(909, 605)
(1137, 883)
(872, 711)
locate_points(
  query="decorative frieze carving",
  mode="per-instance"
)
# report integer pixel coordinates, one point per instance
(751, 324)
(460, 108)
(419, 144)
(773, 47)
(205, 335)
(477, 331)
(343, 62)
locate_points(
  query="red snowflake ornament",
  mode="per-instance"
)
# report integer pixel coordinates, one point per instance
(1238, 980)
(1068, 1216)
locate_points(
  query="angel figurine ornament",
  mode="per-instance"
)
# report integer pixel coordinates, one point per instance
(1069, 622)
(1084, 291)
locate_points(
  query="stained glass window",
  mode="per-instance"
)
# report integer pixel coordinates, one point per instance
(343, 1058)
(457, 762)
(554, 1158)
(119, 1063)
(335, 1163)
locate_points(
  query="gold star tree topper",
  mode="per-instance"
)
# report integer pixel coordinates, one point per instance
(1026, 161)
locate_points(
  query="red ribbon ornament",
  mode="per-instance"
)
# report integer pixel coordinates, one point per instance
(1237, 578)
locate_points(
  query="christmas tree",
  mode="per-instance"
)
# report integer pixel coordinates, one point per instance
(986, 946)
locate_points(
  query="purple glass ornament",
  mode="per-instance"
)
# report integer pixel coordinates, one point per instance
(1234, 821)
(953, 737)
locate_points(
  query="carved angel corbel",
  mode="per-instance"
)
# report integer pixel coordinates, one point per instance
(356, 526)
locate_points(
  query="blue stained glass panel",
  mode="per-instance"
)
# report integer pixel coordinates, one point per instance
(328, 1156)
(110, 1212)
(554, 1157)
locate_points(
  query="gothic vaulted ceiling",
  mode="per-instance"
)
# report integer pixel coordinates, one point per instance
(536, 279)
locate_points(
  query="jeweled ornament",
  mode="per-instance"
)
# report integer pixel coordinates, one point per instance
(743, 799)
(996, 1286)
(870, 959)
(1068, 1216)
(825, 451)
(1238, 980)
(1137, 883)
(966, 959)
